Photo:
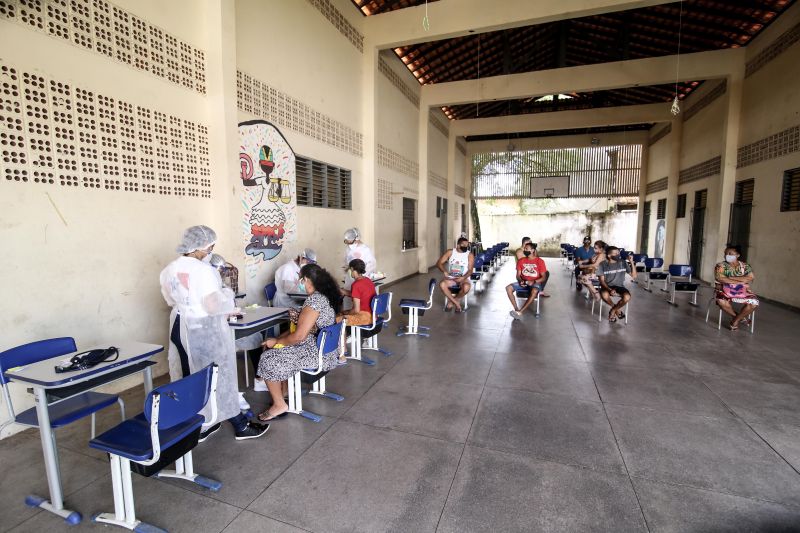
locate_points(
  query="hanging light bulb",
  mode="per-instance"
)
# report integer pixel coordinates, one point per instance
(676, 108)
(426, 24)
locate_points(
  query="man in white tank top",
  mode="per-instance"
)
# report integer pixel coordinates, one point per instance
(459, 263)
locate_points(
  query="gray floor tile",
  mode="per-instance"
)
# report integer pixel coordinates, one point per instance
(250, 522)
(423, 406)
(529, 373)
(357, 478)
(658, 389)
(759, 401)
(679, 509)
(720, 454)
(783, 438)
(465, 367)
(644, 355)
(557, 428)
(496, 491)
(157, 503)
(24, 474)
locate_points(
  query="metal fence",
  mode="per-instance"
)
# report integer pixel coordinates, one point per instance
(596, 171)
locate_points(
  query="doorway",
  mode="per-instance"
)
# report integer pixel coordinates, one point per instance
(443, 244)
(741, 209)
(645, 240)
(697, 237)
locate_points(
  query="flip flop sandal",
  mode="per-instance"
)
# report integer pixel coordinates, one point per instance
(620, 315)
(448, 309)
(267, 418)
(612, 319)
(732, 327)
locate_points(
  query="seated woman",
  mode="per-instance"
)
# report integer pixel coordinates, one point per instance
(293, 351)
(733, 278)
(361, 292)
(589, 269)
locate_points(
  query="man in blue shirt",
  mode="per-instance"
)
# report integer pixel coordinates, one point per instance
(582, 257)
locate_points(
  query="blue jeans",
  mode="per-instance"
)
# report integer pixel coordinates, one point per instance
(518, 287)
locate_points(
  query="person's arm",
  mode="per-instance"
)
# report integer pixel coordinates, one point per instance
(519, 274)
(305, 322)
(442, 260)
(602, 277)
(542, 268)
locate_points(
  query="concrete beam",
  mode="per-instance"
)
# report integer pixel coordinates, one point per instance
(563, 120)
(584, 78)
(454, 18)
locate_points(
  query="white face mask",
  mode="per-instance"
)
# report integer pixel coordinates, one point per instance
(730, 258)
(207, 259)
(352, 245)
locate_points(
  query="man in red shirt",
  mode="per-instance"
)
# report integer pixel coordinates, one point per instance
(531, 272)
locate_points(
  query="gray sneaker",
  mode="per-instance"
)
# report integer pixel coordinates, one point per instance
(515, 315)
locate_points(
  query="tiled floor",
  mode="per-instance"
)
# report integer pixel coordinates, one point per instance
(561, 423)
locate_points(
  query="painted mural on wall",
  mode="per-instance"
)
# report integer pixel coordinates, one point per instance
(270, 206)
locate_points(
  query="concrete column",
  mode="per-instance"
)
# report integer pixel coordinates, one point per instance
(676, 139)
(468, 192)
(721, 196)
(451, 188)
(422, 204)
(642, 197)
(224, 135)
(369, 170)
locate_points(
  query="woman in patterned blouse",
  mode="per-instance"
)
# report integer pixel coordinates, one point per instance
(733, 278)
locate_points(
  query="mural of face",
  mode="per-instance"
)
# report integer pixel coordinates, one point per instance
(268, 174)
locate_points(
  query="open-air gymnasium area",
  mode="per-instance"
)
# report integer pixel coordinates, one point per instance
(400, 265)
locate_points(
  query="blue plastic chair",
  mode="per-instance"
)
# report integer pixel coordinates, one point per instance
(269, 292)
(650, 264)
(329, 339)
(165, 432)
(381, 315)
(478, 274)
(63, 412)
(415, 309)
(679, 279)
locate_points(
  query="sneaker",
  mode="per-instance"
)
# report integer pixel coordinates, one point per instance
(252, 431)
(515, 315)
(210, 431)
(260, 385)
(243, 405)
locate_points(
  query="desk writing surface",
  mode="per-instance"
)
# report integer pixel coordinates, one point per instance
(255, 316)
(44, 374)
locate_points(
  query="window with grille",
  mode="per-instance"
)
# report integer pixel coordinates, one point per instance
(700, 199)
(661, 211)
(463, 218)
(790, 197)
(681, 213)
(322, 185)
(409, 223)
(744, 192)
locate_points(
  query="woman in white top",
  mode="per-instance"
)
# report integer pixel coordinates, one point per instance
(287, 278)
(199, 331)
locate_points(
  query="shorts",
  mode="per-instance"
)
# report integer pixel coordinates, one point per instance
(518, 287)
(619, 290)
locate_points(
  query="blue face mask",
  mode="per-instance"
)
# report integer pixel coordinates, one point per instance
(302, 286)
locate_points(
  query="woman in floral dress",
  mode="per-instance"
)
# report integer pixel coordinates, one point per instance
(733, 278)
(293, 351)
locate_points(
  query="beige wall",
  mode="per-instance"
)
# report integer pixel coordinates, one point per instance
(770, 104)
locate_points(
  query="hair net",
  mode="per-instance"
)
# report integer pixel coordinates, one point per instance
(309, 255)
(196, 238)
(352, 234)
(217, 261)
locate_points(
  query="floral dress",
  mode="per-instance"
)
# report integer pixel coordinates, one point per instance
(739, 293)
(279, 364)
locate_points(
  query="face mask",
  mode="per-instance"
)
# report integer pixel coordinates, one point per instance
(352, 245)
(526, 253)
(207, 259)
(302, 286)
(614, 257)
(730, 258)
(462, 249)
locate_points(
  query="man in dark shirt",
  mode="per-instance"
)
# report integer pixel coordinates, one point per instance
(582, 257)
(612, 273)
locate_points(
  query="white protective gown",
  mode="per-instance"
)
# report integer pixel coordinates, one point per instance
(363, 252)
(194, 289)
(287, 279)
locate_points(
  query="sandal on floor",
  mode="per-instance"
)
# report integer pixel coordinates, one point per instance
(612, 318)
(620, 315)
(733, 327)
(266, 417)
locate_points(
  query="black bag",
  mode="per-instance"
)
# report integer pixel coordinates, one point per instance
(88, 359)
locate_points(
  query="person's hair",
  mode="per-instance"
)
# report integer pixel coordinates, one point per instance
(525, 239)
(601, 244)
(610, 249)
(324, 284)
(735, 247)
(587, 238)
(529, 243)
(462, 239)
(358, 265)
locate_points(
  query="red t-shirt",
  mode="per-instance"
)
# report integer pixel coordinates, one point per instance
(531, 268)
(364, 290)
